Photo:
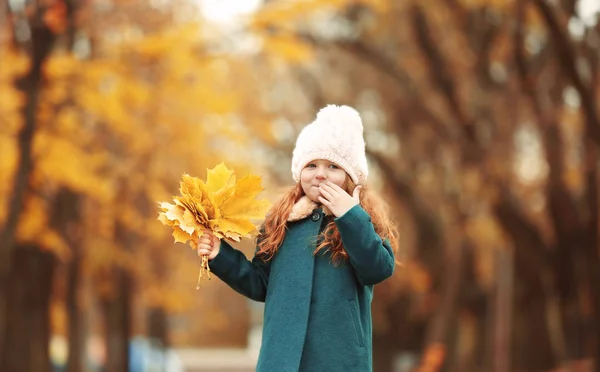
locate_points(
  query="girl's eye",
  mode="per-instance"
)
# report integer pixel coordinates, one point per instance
(333, 166)
(310, 166)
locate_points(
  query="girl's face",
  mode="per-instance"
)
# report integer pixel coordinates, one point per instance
(318, 171)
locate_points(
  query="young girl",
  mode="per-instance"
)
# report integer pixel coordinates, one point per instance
(320, 250)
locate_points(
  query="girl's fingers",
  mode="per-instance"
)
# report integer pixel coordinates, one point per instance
(204, 248)
(325, 193)
(333, 193)
(324, 201)
(205, 241)
(205, 245)
(208, 237)
(334, 187)
(327, 187)
(203, 252)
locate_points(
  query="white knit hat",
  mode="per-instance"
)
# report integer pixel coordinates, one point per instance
(335, 135)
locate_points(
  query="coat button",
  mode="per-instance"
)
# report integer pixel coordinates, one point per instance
(316, 216)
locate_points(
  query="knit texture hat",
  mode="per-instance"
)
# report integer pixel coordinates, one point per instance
(335, 135)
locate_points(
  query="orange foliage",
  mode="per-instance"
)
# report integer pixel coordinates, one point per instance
(55, 16)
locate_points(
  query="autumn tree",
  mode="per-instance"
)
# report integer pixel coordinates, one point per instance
(474, 114)
(481, 123)
(99, 129)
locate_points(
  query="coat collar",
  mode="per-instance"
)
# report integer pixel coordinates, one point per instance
(304, 207)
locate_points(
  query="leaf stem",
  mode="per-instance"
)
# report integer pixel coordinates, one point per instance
(204, 272)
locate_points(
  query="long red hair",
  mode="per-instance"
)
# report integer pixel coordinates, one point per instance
(274, 227)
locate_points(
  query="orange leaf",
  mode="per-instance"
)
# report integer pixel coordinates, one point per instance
(55, 17)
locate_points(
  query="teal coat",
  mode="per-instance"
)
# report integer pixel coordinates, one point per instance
(317, 316)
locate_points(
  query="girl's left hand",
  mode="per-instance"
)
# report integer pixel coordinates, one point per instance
(336, 199)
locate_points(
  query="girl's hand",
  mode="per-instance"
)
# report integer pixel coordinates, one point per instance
(336, 199)
(208, 245)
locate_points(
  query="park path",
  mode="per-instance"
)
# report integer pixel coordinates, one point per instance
(217, 360)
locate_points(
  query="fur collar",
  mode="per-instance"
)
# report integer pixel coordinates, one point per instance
(304, 207)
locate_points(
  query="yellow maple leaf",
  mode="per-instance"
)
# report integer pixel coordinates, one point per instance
(219, 178)
(242, 203)
(191, 186)
(162, 218)
(180, 235)
(233, 236)
(188, 222)
(224, 205)
(194, 195)
(175, 213)
(241, 226)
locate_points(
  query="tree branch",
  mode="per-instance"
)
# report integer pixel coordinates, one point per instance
(530, 250)
(430, 241)
(440, 73)
(567, 56)
(413, 103)
(371, 55)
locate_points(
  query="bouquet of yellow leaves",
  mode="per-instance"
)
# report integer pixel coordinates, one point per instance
(223, 205)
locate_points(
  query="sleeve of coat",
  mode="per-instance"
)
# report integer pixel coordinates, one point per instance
(250, 278)
(372, 259)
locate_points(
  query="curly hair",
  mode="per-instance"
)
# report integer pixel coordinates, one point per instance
(274, 227)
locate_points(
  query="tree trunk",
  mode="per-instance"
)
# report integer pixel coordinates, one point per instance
(503, 310)
(65, 217)
(77, 331)
(41, 43)
(158, 328)
(592, 253)
(567, 222)
(445, 318)
(157, 321)
(383, 356)
(28, 328)
(532, 342)
(117, 312)
(404, 334)
(532, 345)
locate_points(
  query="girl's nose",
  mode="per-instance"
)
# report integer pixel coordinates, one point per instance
(321, 174)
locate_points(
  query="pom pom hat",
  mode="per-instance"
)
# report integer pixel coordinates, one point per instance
(335, 135)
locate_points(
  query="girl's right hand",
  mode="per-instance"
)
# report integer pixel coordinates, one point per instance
(208, 245)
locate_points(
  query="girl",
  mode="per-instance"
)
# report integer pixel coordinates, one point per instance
(320, 250)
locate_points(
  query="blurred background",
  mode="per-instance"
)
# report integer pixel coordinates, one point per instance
(482, 127)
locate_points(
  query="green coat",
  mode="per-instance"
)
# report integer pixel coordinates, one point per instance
(317, 316)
